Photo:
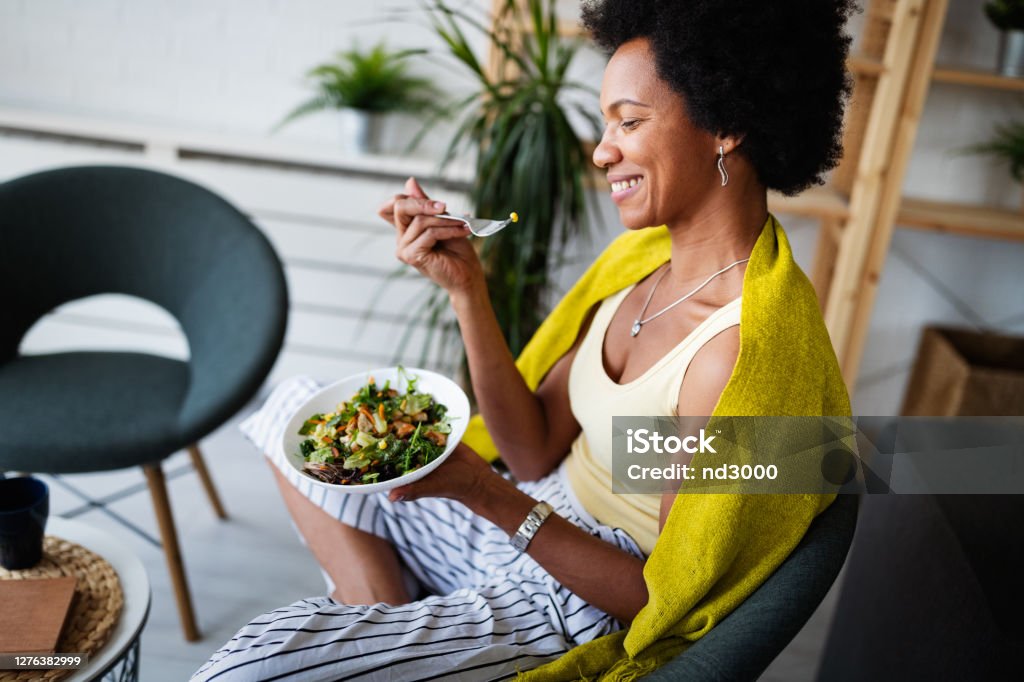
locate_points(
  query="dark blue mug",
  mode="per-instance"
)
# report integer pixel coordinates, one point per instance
(24, 506)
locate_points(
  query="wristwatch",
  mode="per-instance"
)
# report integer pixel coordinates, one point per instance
(530, 526)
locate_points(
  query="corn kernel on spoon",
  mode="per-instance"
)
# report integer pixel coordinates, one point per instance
(482, 227)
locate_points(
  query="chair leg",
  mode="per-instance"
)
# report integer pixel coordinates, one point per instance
(204, 475)
(169, 536)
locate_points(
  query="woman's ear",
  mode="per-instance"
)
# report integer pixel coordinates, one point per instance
(728, 143)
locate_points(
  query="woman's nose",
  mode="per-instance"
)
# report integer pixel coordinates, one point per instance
(606, 153)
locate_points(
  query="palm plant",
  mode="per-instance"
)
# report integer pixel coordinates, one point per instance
(377, 81)
(528, 157)
(1007, 144)
(1006, 15)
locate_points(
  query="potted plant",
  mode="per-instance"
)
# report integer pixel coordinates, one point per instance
(528, 156)
(362, 86)
(1008, 17)
(1007, 144)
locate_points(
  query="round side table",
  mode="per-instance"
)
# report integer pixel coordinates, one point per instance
(119, 657)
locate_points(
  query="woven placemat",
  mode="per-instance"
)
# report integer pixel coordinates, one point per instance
(95, 611)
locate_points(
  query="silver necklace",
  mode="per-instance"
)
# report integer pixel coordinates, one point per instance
(640, 322)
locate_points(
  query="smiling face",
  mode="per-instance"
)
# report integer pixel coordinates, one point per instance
(661, 166)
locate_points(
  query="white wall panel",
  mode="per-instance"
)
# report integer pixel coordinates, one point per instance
(353, 290)
(53, 334)
(348, 199)
(21, 156)
(371, 245)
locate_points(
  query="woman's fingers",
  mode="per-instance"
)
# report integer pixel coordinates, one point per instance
(462, 476)
(412, 191)
(407, 209)
(387, 209)
(414, 252)
(422, 223)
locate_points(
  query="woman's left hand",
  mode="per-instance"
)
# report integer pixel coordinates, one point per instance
(461, 477)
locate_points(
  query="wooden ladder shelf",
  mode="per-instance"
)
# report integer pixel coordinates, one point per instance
(859, 212)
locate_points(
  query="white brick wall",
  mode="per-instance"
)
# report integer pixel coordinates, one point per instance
(222, 65)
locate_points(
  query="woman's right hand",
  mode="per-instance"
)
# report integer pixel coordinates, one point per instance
(436, 247)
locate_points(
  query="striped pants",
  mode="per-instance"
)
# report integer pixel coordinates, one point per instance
(494, 612)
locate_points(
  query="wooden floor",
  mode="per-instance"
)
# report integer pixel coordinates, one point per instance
(246, 565)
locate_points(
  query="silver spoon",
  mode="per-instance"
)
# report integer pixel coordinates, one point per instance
(482, 227)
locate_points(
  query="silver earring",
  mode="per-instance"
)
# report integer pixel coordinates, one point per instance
(721, 166)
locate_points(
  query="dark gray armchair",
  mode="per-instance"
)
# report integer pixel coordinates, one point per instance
(70, 233)
(745, 643)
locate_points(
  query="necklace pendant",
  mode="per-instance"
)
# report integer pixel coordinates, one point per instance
(636, 328)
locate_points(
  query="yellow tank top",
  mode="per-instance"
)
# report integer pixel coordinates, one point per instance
(595, 399)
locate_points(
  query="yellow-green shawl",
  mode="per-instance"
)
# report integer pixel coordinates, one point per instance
(715, 549)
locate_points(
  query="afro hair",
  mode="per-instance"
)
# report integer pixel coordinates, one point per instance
(771, 71)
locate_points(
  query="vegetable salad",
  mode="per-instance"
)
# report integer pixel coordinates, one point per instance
(378, 434)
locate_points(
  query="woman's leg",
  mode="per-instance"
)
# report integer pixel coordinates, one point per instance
(497, 611)
(511, 615)
(364, 568)
(473, 634)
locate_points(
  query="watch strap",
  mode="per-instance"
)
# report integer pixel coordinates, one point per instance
(531, 524)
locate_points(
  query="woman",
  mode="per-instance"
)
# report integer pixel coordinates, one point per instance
(707, 105)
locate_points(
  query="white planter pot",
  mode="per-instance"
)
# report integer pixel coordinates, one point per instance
(1011, 53)
(361, 130)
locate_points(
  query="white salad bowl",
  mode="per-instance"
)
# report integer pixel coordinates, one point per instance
(327, 399)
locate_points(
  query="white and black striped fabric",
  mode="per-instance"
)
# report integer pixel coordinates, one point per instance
(495, 611)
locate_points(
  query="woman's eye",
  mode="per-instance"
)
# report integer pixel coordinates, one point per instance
(630, 123)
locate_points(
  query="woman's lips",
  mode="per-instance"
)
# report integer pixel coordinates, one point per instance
(623, 186)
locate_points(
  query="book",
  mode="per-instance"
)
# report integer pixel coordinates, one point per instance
(34, 613)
